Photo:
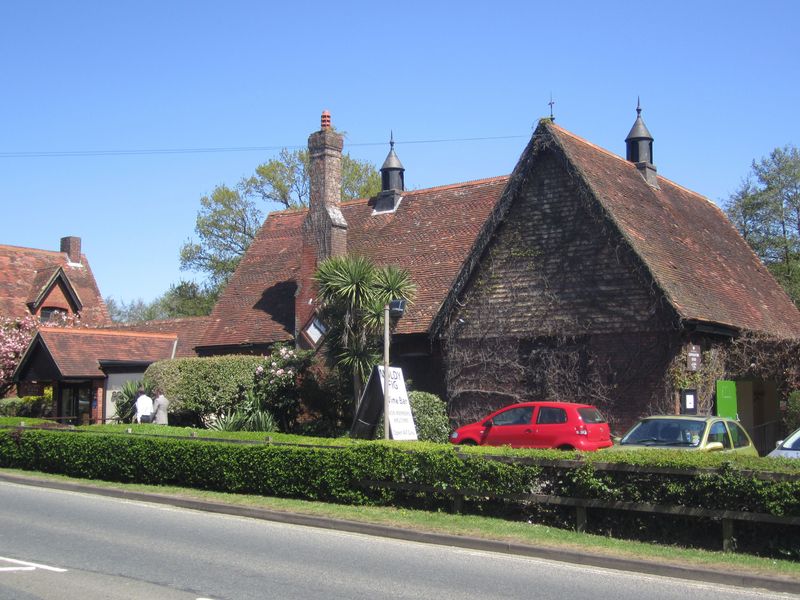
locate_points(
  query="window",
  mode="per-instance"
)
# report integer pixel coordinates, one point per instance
(718, 433)
(49, 315)
(315, 330)
(514, 416)
(591, 415)
(549, 415)
(738, 435)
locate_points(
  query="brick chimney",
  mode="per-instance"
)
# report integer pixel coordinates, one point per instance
(325, 215)
(71, 246)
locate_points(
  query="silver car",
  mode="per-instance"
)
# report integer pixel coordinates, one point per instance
(788, 448)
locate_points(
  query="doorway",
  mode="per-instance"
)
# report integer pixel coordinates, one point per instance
(75, 403)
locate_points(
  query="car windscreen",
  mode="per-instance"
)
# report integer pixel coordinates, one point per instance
(792, 442)
(666, 432)
(591, 415)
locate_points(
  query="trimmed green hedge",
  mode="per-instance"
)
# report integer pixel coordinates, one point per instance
(341, 474)
(207, 385)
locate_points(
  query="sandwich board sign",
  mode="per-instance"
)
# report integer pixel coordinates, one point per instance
(401, 421)
(370, 407)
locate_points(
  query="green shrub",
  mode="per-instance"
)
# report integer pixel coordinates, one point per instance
(124, 399)
(27, 406)
(430, 418)
(204, 386)
(201, 390)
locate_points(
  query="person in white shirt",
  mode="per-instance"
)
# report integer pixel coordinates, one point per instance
(144, 407)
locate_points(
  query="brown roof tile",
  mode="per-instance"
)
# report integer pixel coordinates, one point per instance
(189, 331)
(23, 272)
(693, 252)
(77, 352)
(430, 234)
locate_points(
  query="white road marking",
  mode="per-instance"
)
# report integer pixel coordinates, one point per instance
(30, 566)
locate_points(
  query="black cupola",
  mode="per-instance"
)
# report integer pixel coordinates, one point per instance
(639, 148)
(392, 181)
(392, 170)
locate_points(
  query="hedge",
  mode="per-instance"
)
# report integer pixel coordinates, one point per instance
(342, 474)
(204, 386)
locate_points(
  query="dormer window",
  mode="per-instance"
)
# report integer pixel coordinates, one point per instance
(52, 315)
(315, 330)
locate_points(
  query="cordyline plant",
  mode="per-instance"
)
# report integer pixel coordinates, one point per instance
(352, 294)
(16, 334)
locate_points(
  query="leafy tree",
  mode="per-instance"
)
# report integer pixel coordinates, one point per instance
(230, 217)
(185, 299)
(188, 299)
(226, 225)
(766, 211)
(352, 293)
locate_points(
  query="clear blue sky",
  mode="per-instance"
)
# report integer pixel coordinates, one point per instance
(718, 82)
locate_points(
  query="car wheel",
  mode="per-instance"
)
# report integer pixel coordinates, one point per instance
(468, 443)
(565, 447)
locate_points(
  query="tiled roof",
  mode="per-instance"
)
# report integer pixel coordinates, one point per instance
(257, 305)
(695, 255)
(705, 269)
(23, 272)
(189, 331)
(430, 234)
(77, 352)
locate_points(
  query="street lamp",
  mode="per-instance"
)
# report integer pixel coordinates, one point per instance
(393, 309)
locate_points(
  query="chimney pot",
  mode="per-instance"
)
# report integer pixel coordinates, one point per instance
(326, 119)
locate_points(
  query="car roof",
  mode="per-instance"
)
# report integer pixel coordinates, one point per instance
(705, 418)
(553, 403)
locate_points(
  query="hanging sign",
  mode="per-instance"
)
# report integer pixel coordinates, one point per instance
(694, 358)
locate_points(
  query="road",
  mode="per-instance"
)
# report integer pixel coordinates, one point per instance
(61, 545)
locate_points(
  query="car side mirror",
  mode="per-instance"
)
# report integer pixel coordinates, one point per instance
(779, 443)
(616, 439)
(488, 424)
(714, 446)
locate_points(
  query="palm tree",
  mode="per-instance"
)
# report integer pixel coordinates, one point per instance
(352, 294)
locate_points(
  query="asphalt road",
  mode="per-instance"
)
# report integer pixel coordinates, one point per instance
(59, 544)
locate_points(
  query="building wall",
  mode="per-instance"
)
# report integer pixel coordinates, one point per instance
(559, 309)
(114, 383)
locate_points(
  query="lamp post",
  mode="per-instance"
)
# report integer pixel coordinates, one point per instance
(392, 309)
(386, 371)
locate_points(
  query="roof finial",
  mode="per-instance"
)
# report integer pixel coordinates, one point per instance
(391, 139)
(551, 103)
(638, 106)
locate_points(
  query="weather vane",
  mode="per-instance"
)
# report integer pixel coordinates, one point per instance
(551, 103)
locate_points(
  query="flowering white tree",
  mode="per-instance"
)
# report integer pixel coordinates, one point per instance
(15, 335)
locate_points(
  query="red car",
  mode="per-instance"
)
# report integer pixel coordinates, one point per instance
(562, 425)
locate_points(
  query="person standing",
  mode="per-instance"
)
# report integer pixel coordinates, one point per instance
(160, 405)
(144, 406)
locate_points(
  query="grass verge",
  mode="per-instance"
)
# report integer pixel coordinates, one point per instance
(474, 526)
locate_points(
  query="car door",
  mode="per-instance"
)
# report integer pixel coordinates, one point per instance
(511, 427)
(719, 433)
(551, 427)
